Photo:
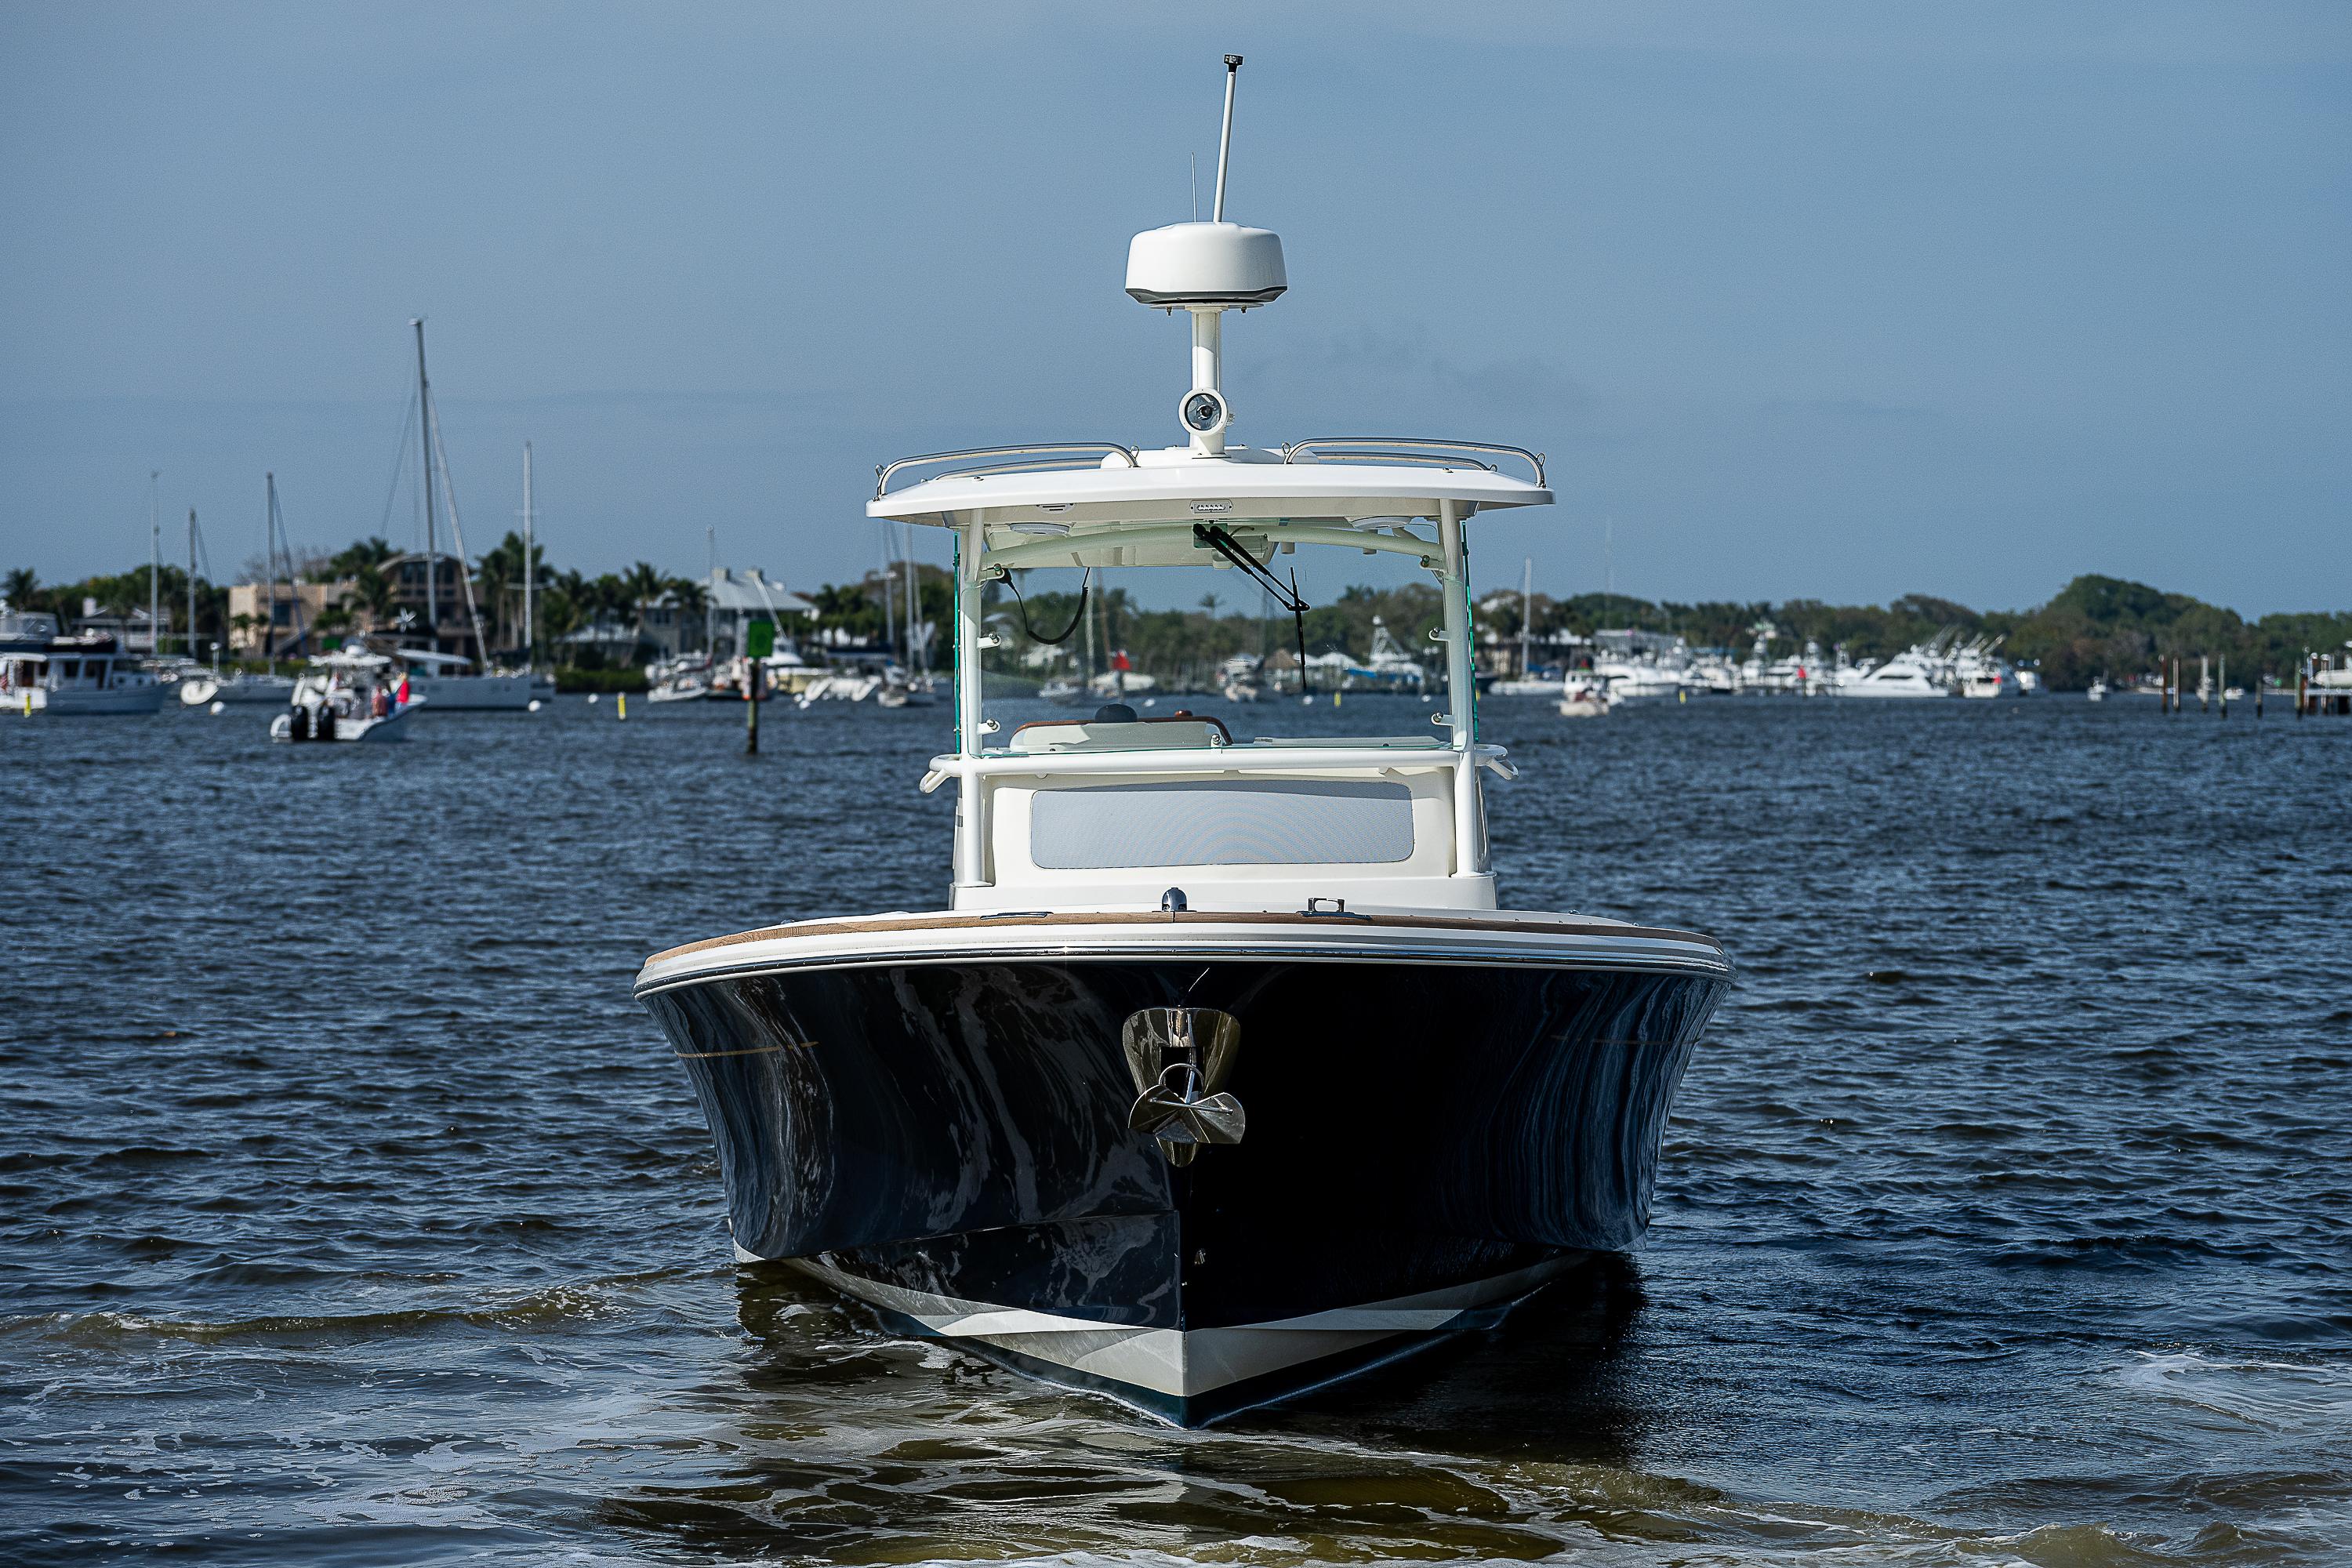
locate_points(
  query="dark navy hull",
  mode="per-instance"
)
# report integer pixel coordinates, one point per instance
(1427, 1143)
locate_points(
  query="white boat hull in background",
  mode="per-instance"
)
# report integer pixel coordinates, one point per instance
(199, 691)
(1584, 703)
(474, 693)
(87, 704)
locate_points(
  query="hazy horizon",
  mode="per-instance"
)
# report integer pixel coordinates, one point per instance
(1823, 301)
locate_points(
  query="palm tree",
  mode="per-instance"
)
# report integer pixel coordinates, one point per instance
(359, 556)
(604, 600)
(693, 598)
(643, 585)
(503, 572)
(559, 612)
(21, 586)
(494, 585)
(373, 591)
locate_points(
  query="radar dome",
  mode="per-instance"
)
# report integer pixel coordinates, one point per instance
(1216, 265)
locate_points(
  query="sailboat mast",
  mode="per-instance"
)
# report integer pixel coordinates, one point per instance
(424, 461)
(154, 562)
(293, 589)
(529, 567)
(914, 601)
(192, 582)
(270, 548)
(1526, 613)
(890, 598)
(1110, 659)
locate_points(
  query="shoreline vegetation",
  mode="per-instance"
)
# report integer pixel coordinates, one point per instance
(2094, 626)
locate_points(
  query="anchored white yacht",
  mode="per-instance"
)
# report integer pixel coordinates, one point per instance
(1912, 673)
(683, 679)
(1980, 673)
(1221, 1073)
(42, 672)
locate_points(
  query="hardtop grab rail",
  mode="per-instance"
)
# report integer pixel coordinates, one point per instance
(1071, 451)
(1408, 449)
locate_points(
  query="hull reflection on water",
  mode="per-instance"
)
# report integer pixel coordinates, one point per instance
(1427, 1145)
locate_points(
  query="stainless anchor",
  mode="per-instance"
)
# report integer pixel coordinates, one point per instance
(1180, 1058)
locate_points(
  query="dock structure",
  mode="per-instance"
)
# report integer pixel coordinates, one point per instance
(2323, 685)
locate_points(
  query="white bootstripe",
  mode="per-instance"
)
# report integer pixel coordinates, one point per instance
(1177, 1362)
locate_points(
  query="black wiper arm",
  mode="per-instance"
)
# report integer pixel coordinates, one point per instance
(1224, 545)
(1217, 539)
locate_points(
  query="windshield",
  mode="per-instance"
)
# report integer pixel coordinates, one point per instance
(1230, 647)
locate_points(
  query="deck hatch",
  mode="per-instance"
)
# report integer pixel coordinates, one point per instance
(1223, 822)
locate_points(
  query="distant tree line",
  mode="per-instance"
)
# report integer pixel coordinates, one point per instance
(564, 600)
(2094, 626)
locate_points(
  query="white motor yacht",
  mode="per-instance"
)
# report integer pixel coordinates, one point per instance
(1991, 682)
(1221, 1072)
(1978, 673)
(1238, 678)
(1711, 674)
(1912, 673)
(1630, 680)
(1585, 699)
(85, 675)
(685, 679)
(1634, 666)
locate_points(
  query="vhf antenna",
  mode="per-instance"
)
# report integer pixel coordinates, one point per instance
(1225, 140)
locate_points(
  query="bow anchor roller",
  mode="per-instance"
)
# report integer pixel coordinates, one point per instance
(1180, 1058)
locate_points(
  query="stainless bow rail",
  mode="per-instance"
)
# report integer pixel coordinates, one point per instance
(1071, 455)
(1408, 449)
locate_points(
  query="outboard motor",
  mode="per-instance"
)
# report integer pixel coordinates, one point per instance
(301, 724)
(323, 727)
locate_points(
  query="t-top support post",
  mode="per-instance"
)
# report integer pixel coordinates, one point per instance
(970, 830)
(1461, 690)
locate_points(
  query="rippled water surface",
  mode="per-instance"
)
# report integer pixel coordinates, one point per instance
(350, 1212)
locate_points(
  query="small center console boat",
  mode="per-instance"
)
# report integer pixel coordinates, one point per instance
(1220, 1074)
(348, 696)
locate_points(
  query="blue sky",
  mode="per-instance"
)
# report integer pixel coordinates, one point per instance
(1843, 300)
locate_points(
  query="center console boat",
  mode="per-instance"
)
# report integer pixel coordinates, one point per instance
(1222, 1074)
